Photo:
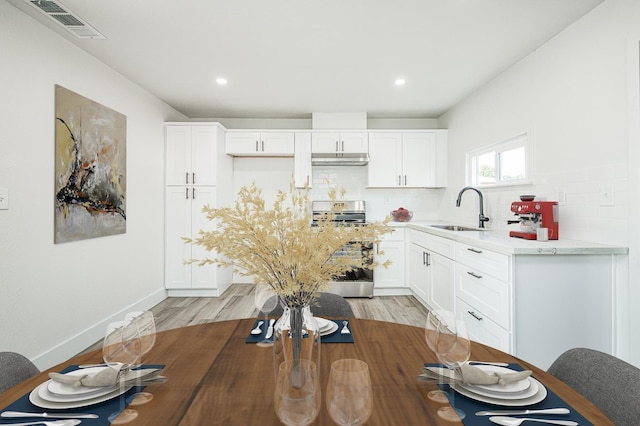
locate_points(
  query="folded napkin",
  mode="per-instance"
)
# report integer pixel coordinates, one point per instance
(111, 376)
(472, 375)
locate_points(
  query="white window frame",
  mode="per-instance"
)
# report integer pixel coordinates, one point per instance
(521, 140)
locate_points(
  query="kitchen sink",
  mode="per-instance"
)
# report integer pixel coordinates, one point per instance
(455, 228)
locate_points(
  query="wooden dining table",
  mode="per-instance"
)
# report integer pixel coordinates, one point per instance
(216, 378)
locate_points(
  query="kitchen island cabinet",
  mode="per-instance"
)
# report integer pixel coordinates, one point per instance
(532, 299)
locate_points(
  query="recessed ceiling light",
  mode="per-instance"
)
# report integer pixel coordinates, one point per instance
(221, 81)
(400, 82)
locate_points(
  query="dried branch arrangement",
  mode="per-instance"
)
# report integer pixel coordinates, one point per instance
(279, 246)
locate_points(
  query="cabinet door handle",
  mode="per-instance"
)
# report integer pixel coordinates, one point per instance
(474, 275)
(193, 193)
(471, 249)
(342, 146)
(476, 316)
(428, 259)
(262, 146)
(186, 177)
(405, 180)
(193, 178)
(257, 146)
(424, 258)
(337, 146)
(186, 193)
(399, 180)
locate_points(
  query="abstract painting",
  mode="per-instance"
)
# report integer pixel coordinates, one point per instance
(90, 168)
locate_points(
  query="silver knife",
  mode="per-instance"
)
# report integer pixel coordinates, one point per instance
(15, 414)
(270, 329)
(519, 412)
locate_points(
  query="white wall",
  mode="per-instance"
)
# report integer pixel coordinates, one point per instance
(55, 299)
(572, 93)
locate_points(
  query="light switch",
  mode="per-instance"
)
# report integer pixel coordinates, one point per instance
(4, 199)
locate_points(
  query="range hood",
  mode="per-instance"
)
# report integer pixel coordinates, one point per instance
(341, 159)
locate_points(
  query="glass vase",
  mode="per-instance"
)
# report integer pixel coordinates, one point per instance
(296, 336)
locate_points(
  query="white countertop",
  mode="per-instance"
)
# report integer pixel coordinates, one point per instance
(500, 241)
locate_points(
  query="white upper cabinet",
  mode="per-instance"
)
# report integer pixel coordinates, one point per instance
(408, 159)
(191, 155)
(339, 142)
(252, 143)
(302, 160)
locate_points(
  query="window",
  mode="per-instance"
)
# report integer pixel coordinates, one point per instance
(503, 164)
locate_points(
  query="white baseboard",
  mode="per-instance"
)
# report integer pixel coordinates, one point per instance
(92, 334)
(193, 292)
(392, 291)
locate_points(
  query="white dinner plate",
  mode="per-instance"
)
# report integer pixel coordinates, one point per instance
(513, 387)
(81, 392)
(38, 401)
(530, 391)
(540, 395)
(333, 327)
(323, 324)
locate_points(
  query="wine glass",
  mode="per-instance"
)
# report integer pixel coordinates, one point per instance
(117, 357)
(453, 349)
(140, 336)
(430, 332)
(349, 394)
(297, 393)
(266, 301)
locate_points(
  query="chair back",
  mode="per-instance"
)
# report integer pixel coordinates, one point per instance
(610, 383)
(327, 304)
(14, 368)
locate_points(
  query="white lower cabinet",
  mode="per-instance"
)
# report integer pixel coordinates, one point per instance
(184, 218)
(431, 270)
(533, 306)
(482, 299)
(392, 248)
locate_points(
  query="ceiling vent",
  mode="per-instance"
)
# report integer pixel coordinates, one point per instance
(72, 23)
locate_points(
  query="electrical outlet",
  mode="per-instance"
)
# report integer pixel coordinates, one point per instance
(606, 196)
(4, 199)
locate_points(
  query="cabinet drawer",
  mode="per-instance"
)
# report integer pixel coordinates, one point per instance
(484, 331)
(434, 243)
(483, 261)
(491, 297)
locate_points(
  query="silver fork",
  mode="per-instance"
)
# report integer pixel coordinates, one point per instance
(345, 329)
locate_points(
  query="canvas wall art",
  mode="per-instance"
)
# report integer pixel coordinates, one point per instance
(90, 169)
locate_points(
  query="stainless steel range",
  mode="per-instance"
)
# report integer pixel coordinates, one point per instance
(359, 282)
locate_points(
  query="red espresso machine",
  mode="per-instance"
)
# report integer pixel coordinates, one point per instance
(533, 215)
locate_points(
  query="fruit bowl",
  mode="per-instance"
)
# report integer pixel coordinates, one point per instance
(401, 215)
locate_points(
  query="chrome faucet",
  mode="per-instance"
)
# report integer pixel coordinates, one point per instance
(481, 217)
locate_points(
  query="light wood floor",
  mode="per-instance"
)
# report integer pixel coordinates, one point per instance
(238, 302)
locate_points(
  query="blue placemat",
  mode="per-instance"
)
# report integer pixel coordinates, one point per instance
(103, 409)
(335, 337)
(470, 406)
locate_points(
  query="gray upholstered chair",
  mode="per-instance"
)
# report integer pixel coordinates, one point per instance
(14, 368)
(326, 305)
(610, 383)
